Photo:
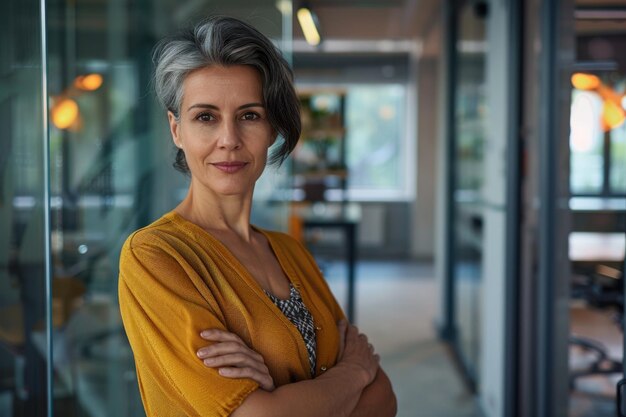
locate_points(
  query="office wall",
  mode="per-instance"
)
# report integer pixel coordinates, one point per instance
(423, 233)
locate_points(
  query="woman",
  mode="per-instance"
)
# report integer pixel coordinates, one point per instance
(225, 318)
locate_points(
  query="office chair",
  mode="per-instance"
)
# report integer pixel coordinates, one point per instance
(603, 290)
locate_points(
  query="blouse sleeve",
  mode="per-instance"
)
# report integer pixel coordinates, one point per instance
(163, 313)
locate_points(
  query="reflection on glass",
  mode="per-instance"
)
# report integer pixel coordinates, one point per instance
(111, 173)
(598, 180)
(23, 325)
(467, 256)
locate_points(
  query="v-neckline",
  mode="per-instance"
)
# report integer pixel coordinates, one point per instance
(275, 299)
(247, 277)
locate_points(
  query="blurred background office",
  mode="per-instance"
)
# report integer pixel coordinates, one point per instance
(461, 180)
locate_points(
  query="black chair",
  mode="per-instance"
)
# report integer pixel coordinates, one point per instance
(603, 290)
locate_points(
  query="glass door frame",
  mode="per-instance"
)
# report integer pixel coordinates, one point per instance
(543, 389)
(46, 203)
(448, 329)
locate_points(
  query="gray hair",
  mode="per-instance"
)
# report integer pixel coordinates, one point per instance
(227, 41)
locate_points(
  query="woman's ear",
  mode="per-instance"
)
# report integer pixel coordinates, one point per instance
(174, 127)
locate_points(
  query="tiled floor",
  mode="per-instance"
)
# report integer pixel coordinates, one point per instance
(396, 305)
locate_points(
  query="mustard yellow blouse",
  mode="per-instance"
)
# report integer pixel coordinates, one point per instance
(176, 280)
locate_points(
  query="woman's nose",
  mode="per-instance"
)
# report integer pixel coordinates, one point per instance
(229, 136)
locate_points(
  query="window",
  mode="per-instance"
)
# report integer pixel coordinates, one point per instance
(376, 142)
(378, 117)
(618, 160)
(598, 136)
(586, 143)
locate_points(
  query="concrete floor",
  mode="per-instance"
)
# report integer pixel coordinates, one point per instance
(396, 306)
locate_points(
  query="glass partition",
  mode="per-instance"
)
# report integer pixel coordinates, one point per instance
(597, 243)
(111, 173)
(468, 204)
(23, 258)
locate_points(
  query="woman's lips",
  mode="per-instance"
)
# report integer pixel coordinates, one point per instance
(230, 166)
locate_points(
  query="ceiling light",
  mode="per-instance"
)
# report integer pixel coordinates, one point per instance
(583, 81)
(613, 115)
(89, 82)
(64, 113)
(309, 25)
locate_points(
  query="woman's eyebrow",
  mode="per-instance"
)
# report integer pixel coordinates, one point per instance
(203, 106)
(245, 106)
(214, 107)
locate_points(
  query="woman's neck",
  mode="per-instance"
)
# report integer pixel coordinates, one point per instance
(216, 213)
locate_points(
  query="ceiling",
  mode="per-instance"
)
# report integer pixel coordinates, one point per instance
(412, 19)
(371, 19)
(360, 24)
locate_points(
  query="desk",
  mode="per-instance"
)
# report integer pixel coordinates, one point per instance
(346, 219)
(592, 214)
(349, 229)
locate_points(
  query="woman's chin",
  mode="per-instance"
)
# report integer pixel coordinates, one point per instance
(234, 191)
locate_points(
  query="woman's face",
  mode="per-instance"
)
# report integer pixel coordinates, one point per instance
(223, 128)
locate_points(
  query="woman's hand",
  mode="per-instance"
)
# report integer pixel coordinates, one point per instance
(355, 350)
(233, 358)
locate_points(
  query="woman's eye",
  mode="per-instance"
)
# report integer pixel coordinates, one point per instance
(250, 116)
(205, 117)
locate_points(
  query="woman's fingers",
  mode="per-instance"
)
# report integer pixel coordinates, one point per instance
(263, 379)
(233, 358)
(357, 350)
(223, 348)
(230, 354)
(241, 365)
(238, 360)
(218, 335)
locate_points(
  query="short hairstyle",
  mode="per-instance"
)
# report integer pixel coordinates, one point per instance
(227, 41)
